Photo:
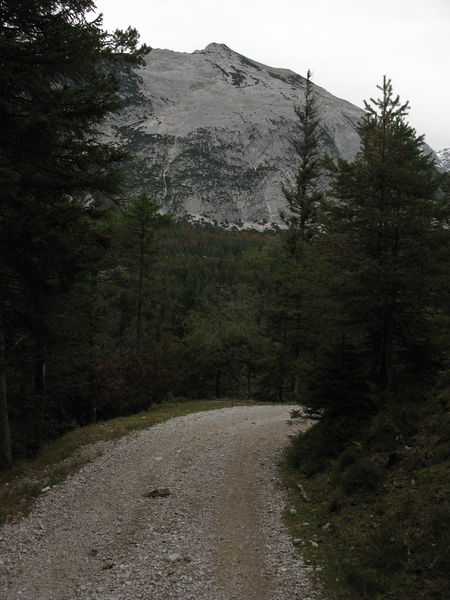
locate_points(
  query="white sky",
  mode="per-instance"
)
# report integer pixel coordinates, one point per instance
(348, 44)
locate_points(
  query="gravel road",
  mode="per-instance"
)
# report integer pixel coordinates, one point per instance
(217, 536)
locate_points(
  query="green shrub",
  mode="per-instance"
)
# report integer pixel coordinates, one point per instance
(384, 433)
(365, 580)
(312, 451)
(361, 476)
(349, 456)
(386, 550)
(336, 504)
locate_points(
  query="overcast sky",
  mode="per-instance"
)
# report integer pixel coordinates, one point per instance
(348, 44)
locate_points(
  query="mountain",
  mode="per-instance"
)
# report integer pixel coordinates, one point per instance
(443, 159)
(212, 133)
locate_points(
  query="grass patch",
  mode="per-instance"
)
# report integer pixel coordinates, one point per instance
(378, 524)
(24, 481)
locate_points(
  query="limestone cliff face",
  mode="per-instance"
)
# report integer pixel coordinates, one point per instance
(212, 131)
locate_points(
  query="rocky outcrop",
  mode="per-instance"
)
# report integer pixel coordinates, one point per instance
(443, 159)
(212, 133)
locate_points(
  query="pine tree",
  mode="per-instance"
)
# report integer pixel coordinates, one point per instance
(304, 198)
(387, 246)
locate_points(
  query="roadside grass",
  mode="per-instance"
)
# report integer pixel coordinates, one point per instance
(377, 526)
(25, 480)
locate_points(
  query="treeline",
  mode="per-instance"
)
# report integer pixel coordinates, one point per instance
(180, 312)
(137, 328)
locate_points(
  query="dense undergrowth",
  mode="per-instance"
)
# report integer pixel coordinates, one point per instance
(25, 481)
(378, 524)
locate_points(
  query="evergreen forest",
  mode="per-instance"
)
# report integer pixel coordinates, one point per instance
(109, 306)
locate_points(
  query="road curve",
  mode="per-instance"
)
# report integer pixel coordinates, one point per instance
(217, 536)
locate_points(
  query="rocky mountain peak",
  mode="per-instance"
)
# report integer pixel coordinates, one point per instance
(217, 49)
(213, 133)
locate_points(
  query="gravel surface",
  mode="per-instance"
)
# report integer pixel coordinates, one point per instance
(217, 536)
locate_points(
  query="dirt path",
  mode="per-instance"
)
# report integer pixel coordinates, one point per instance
(218, 536)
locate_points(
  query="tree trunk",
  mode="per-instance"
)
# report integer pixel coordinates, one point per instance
(249, 383)
(282, 363)
(123, 316)
(5, 436)
(39, 385)
(218, 375)
(140, 280)
(382, 366)
(280, 390)
(39, 368)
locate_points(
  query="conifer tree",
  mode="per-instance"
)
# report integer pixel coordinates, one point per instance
(304, 198)
(387, 248)
(303, 201)
(142, 219)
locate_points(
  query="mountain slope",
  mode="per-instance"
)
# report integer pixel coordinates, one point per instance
(212, 132)
(443, 159)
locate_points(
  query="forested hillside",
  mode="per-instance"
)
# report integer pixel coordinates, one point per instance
(216, 320)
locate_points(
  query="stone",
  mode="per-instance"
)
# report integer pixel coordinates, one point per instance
(157, 493)
(303, 493)
(175, 557)
(293, 512)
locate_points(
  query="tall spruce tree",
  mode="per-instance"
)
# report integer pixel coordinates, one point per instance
(303, 201)
(58, 73)
(304, 197)
(142, 219)
(387, 244)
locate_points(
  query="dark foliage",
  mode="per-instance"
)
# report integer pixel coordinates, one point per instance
(59, 74)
